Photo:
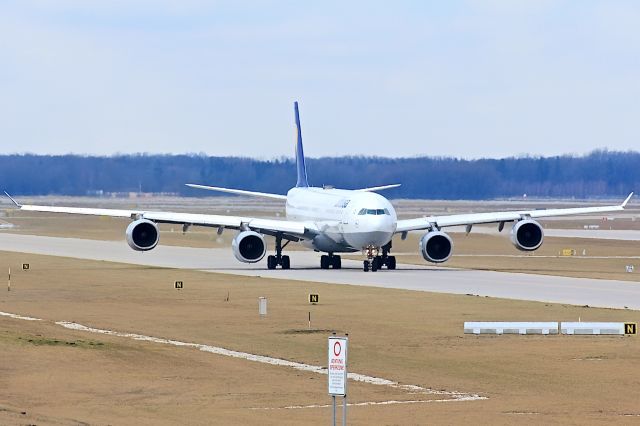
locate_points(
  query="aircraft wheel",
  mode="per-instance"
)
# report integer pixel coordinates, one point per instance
(324, 262)
(391, 262)
(286, 262)
(365, 266)
(336, 262)
(271, 262)
(376, 263)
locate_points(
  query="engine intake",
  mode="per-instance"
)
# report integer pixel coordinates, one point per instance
(249, 247)
(527, 235)
(436, 246)
(142, 235)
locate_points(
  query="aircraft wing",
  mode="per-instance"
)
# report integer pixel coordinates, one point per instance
(437, 222)
(378, 188)
(289, 229)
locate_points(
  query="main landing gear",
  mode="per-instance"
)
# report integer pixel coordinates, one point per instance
(376, 261)
(279, 259)
(331, 260)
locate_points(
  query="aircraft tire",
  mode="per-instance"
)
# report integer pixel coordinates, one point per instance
(286, 262)
(271, 262)
(376, 263)
(336, 262)
(391, 262)
(324, 262)
(365, 266)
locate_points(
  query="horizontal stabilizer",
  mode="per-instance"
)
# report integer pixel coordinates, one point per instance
(238, 191)
(378, 188)
(11, 198)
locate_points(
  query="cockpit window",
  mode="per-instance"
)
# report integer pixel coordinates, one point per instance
(374, 212)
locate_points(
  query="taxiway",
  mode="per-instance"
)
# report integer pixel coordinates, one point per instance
(542, 288)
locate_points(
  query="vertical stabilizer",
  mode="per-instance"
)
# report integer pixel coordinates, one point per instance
(302, 169)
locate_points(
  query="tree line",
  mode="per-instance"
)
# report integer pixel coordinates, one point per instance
(601, 173)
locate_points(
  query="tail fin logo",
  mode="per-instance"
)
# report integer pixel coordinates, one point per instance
(300, 166)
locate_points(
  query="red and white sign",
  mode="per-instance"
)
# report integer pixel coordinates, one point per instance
(337, 370)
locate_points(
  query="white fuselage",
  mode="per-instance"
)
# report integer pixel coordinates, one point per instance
(348, 220)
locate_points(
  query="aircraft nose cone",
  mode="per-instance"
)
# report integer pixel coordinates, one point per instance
(377, 231)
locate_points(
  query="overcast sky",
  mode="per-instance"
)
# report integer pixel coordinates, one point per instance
(465, 79)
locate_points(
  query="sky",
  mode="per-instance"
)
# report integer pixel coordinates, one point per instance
(468, 79)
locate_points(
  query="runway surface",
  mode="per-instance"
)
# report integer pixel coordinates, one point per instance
(576, 291)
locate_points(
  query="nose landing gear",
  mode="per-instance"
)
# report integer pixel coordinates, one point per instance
(372, 261)
(376, 261)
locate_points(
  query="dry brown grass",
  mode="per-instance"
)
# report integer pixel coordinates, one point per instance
(412, 337)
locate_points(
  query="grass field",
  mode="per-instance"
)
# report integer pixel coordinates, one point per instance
(59, 376)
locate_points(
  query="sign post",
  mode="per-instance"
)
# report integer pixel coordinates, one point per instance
(337, 373)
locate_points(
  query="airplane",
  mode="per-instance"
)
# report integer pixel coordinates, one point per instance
(330, 221)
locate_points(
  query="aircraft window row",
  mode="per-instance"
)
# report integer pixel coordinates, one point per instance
(375, 212)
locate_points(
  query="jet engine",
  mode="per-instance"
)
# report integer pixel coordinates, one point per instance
(142, 235)
(527, 235)
(249, 247)
(436, 246)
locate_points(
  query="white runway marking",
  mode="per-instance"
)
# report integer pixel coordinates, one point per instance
(15, 316)
(365, 404)
(412, 389)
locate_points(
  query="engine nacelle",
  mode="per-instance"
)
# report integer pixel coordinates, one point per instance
(436, 246)
(527, 235)
(142, 235)
(249, 247)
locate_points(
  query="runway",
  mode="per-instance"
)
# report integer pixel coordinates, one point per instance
(575, 291)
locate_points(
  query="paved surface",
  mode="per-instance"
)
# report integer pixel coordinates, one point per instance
(577, 291)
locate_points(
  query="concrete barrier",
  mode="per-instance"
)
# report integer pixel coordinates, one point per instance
(511, 328)
(592, 328)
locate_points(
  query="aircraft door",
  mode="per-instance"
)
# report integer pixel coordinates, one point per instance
(344, 221)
